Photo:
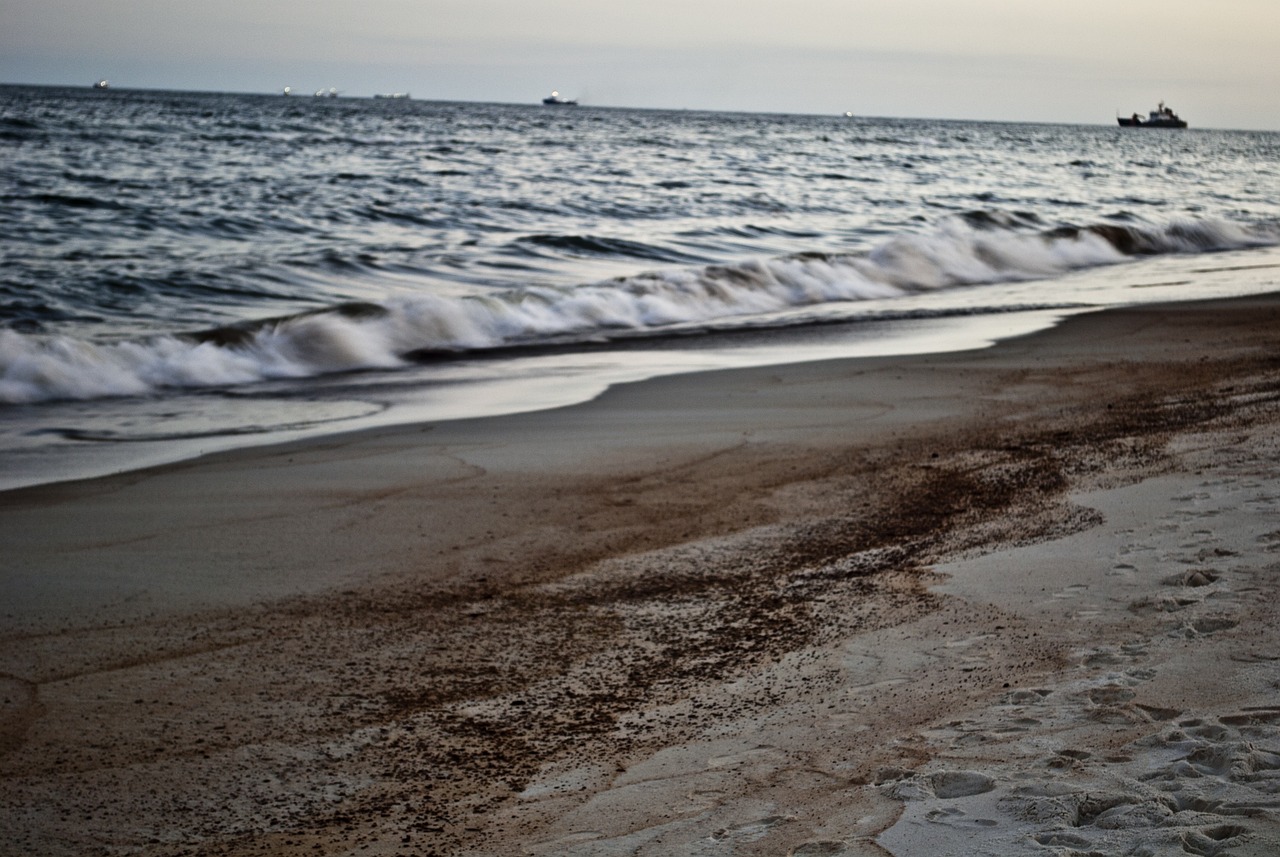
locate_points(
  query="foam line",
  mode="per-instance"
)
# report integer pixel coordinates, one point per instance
(965, 251)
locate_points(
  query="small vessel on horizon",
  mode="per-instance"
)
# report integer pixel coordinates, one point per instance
(102, 84)
(1161, 117)
(554, 98)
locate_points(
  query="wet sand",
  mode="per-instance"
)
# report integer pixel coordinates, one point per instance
(1016, 600)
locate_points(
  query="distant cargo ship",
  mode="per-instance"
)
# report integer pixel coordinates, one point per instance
(554, 98)
(1161, 117)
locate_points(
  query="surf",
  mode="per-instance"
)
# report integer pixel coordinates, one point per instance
(965, 251)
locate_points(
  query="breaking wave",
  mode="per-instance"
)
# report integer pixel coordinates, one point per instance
(974, 249)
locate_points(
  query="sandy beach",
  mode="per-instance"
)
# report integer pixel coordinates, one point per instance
(1019, 600)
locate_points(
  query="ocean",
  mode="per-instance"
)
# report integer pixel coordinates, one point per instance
(190, 272)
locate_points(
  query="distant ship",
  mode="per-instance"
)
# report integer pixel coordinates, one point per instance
(554, 98)
(392, 95)
(102, 84)
(1161, 117)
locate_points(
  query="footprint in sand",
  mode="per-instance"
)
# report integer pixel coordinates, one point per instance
(751, 829)
(1195, 577)
(1123, 569)
(1253, 717)
(1263, 503)
(1058, 838)
(1204, 626)
(948, 813)
(1025, 697)
(954, 784)
(956, 818)
(1162, 604)
(817, 849)
(1158, 714)
(943, 785)
(1110, 694)
(1135, 547)
(1206, 729)
(1212, 840)
(1111, 656)
(1102, 658)
(1075, 590)
(1135, 815)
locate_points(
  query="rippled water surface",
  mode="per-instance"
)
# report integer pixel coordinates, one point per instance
(164, 251)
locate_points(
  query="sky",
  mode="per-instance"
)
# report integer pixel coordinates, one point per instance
(1217, 62)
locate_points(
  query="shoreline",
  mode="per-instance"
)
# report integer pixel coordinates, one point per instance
(410, 396)
(75, 439)
(769, 610)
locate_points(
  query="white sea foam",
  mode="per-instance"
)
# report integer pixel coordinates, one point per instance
(43, 367)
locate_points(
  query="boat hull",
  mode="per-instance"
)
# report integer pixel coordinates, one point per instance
(1160, 123)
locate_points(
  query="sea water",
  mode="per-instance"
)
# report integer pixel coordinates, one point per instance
(185, 272)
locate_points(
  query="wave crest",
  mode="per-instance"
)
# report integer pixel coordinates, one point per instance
(978, 248)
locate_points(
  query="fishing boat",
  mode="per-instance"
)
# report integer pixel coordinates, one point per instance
(1161, 117)
(554, 98)
(102, 84)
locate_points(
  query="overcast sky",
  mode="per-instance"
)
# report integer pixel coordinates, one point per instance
(1215, 61)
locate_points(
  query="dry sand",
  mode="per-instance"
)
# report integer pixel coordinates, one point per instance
(1019, 600)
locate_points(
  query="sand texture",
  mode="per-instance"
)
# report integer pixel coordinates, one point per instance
(1013, 601)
